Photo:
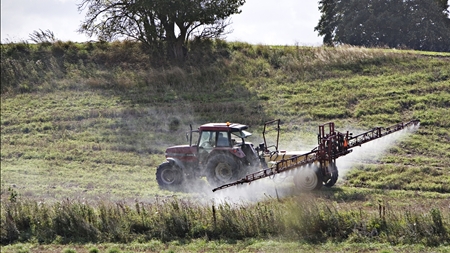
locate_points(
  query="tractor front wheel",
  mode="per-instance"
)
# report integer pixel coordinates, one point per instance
(169, 176)
(221, 169)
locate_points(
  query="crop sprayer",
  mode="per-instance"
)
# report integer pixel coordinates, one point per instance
(219, 152)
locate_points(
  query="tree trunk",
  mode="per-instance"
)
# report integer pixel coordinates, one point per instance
(176, 50)
(175, 45)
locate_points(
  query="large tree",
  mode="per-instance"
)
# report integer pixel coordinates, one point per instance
(416, 24)
(158, 22)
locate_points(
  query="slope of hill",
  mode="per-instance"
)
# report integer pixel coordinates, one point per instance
(91, 121)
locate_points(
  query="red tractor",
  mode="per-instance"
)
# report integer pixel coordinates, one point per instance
(220, 153)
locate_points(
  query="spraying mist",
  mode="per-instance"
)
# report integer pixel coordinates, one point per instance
(372, 151)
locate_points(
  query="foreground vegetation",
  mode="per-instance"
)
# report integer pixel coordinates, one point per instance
(305, 217)
(83, 127)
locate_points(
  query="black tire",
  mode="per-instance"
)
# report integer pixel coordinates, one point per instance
(332, 169)
(169, 176)
(221, 169)
(308, 178)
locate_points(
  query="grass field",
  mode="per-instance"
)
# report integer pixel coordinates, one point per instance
(83, 127)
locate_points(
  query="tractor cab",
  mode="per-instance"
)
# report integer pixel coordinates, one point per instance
(220, 137)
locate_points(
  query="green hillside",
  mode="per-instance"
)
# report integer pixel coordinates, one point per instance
(90, 122)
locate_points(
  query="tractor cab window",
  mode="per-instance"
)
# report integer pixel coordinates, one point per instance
(240, 135)
(207, 140)
(223, 140)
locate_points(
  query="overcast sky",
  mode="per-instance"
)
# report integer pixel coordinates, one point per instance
(268, 22)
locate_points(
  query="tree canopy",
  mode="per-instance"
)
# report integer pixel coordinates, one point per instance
(415, 24)
(158, 23)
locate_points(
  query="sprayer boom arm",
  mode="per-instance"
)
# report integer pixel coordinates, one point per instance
(332, 145)
(378, 132)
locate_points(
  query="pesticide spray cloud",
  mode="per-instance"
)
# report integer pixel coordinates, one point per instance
(372, 151)
(267, 188)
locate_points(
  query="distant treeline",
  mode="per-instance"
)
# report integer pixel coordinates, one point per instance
(412, 24)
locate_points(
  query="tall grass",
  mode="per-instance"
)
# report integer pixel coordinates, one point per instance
(305, 218)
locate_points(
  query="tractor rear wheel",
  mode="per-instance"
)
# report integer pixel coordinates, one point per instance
(169, 176)
(332, 169)
(221, 169)
(308, 178)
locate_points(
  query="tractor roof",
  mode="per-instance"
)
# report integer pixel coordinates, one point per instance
(231, 127)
